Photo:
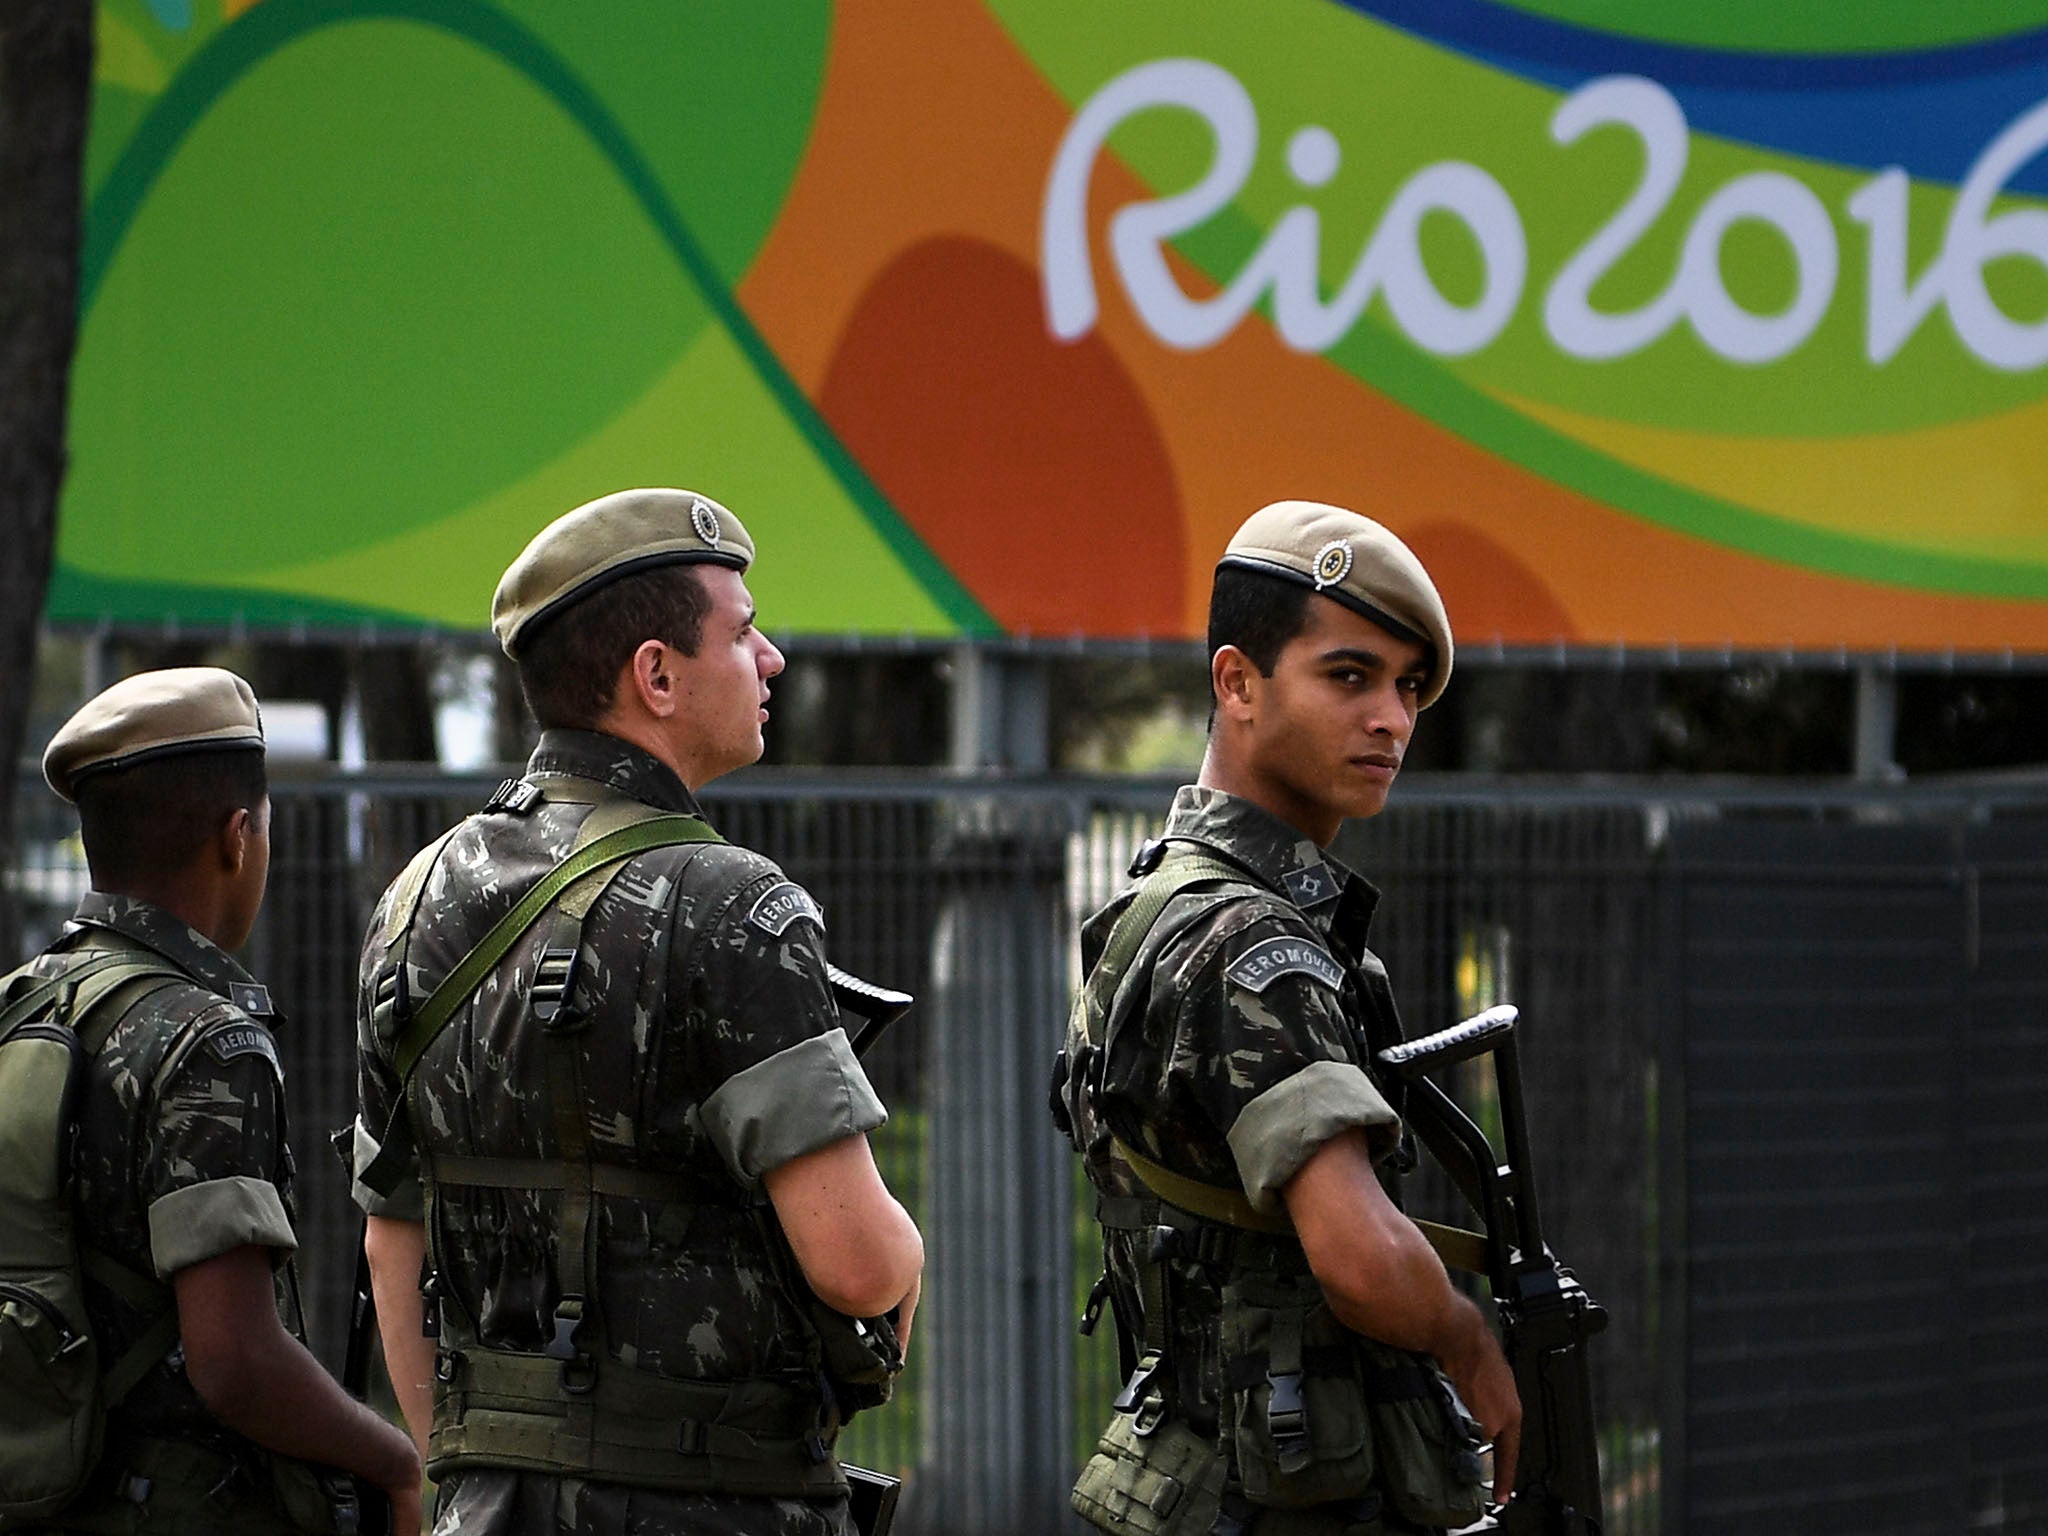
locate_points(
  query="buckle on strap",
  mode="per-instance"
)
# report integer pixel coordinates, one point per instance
(1287, 1420)
(390, 994)
(1134, 1390)
(579, 1370)
(1091, 1315)
(554, 981)
(514, 795)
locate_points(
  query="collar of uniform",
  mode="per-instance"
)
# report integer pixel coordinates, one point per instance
(1277, 853)
(618, 765)
(149, 924)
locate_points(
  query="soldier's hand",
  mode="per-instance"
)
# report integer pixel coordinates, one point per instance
(1486, 1382)
(406, 1514)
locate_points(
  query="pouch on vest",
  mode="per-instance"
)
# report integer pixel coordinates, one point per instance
(1428, 1445)
(860, 1356)
(1165, 1483)
(1292, 1406)
(53, 1394)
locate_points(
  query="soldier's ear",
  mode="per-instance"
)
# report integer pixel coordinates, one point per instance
(650, 677)
(232, 842)
(1233, 681)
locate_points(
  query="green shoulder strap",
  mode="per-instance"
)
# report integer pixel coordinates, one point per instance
(664, 831)
(1108, 986)
(1456, 1246)
(640, 832)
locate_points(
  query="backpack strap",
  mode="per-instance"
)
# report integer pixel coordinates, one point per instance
(90, 998)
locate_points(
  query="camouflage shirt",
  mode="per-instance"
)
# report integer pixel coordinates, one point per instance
(1245, 1048)
(181, 1144)
(713, 1050)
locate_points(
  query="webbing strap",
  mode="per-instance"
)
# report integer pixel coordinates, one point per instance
(1108, 983)
(549, 1173)
(78, 996)
(755, 1435)
(660, 831)
(156, 1341)
(1207, 1200)
(41, 994)
(1458, 1247)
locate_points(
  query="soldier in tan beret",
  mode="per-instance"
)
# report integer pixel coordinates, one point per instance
(1290, 1337)
(630, 1143)
(183, 1179)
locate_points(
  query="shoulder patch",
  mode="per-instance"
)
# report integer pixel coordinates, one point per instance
(782, 904)
(1270, 959)
(252, 997)
(236, 1040)
(1311, 887)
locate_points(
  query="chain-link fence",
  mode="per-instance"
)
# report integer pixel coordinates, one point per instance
(969, 894)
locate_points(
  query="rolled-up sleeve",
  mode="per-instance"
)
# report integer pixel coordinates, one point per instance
(804, 1097)
(202, 1221)
(774, 1075)
(214, 1158)
(1281, 1129)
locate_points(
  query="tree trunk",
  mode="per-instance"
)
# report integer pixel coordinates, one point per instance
(395, 692)
(45, 97)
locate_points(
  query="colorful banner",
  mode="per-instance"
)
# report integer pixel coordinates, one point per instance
(1649, 326)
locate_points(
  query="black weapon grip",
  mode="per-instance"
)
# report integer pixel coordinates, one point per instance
(877, 1007)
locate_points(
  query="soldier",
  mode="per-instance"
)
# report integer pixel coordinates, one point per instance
(1281, 1320)
(184, 1179)
(634, 1164)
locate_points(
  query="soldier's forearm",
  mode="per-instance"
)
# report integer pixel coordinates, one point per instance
(260, 1381)
(396, 1250)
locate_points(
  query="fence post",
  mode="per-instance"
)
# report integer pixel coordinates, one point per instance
(998, 1369)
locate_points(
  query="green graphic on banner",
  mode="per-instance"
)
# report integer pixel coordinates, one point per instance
(1647, 327)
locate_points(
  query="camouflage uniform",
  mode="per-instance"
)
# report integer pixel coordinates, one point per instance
(1249, 1049)
(713, 1050)
(181, 1157)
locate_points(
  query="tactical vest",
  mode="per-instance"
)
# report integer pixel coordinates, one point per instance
(572, 1409)
(1319, 1429)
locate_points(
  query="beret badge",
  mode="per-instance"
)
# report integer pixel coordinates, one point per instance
(1333, 563)
(704, 522)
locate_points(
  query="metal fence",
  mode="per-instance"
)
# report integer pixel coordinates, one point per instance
(969, 892)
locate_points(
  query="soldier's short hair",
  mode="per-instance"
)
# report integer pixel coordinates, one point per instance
(569, 667)
(149, 821)
(1257, 613)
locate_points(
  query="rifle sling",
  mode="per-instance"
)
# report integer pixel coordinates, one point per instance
(1456, 1246)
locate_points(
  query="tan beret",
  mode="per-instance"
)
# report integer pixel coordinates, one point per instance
(604, 540)
(1355, 561)
(152, 715)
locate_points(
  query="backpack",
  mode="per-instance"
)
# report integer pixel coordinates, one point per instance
(54, 1389)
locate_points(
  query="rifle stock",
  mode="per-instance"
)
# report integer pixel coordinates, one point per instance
(1546, 1317)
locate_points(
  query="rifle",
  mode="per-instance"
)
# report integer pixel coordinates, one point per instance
(869, 1010)
(1546, 1317)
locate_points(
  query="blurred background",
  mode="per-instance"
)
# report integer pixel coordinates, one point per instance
(1699, 352)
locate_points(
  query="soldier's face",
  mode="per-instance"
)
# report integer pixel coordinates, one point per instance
(724, 687)
(1329, 728)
